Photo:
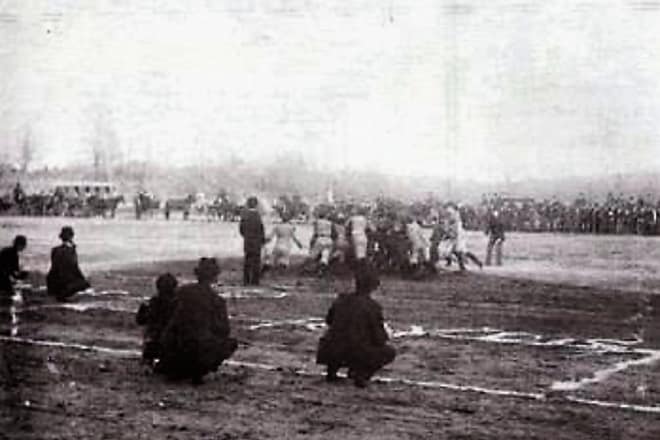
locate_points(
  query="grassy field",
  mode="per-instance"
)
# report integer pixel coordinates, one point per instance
(479, 356)
(623, 262)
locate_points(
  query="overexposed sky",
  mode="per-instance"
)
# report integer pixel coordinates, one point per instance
(472, 89)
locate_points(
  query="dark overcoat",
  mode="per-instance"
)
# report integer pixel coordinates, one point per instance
(196, 339)
(65, 278)
(154, 316)
(356, 336)
(8, 269)
(251, 228)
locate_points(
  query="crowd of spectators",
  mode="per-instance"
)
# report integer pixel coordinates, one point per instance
(615, 215)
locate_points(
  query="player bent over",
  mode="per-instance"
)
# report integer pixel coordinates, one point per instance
(356, 336)
(285, 236)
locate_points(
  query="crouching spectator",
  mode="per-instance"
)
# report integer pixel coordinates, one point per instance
(65, 278)
(196, 339)
(356, 336)
(155, 315)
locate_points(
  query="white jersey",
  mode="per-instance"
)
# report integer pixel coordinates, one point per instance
(415, 235)
(359, 226)
(283, 234)
(323, 228)
(456, 231)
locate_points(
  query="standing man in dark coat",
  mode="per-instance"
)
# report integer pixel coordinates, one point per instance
(356, 336)
(196, 339)
(10, 268)
(252, 230)
(65, 278)
(495, 232)
(155, 315)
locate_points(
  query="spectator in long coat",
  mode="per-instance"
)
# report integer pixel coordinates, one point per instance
(10, 268)
(356, 336)
(155, 315)
(251, 228)
(65, 278)
(197, 339)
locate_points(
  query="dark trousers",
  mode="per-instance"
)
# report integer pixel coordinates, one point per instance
(362, 363)
(63, 292)
(252, 267)
(6, 287)
(494, 243)
(194, 360)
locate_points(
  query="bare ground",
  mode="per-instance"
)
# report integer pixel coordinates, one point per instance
(457, 375)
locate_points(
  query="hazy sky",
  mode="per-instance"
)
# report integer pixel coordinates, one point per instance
(474, 89)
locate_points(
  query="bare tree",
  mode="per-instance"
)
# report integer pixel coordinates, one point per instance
(104, 144)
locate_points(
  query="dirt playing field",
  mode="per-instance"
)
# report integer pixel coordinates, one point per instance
(479, 355)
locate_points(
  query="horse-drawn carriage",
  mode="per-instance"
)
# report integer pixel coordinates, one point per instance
(75, 199)
(86, 199)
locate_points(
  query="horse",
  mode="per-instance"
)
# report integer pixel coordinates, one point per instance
(179, 204)
(224, 209)
(6, 203)
(36, 204)
(145, 203)
(99, 206)
(201, 206)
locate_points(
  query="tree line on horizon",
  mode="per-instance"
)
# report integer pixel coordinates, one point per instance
(295, 176)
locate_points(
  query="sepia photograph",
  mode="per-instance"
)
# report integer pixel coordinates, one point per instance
(330, 219)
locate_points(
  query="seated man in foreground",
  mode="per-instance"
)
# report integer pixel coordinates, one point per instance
(65, 278)
(196, 339)
(356, 336)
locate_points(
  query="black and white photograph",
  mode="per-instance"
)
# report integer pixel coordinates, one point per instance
(330, 219)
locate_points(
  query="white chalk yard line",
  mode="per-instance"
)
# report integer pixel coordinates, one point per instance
(72, 345)
(81, 307)
(228, 292)
(134, 353)
(312, 324)
(110, 292)
(652, 356)
(14, 309)
(484, 334)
